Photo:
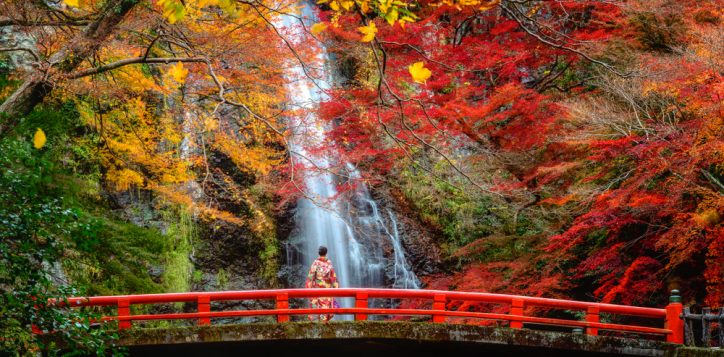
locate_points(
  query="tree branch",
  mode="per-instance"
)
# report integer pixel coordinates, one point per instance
(514, 14)
(28, 50)
(716, 183)
(135, 60)
(32, 23)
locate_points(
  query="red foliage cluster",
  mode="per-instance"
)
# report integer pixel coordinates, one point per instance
(650, 216)
(661, 212)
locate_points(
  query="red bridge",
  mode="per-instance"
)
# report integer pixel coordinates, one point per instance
(669, 328)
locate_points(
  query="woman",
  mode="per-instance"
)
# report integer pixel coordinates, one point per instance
(321, 275)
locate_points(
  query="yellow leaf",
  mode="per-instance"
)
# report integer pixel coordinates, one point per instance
(173, 10)
(334, 5)
(486, 7)
(419, 73)
(73, 3)
(317, 28)
(365, 7)
(178, 72)
(347, 4)
(392, 16)
(368, 31)
(206, 3)
(39, 139)
(383, 6)
(407, 19)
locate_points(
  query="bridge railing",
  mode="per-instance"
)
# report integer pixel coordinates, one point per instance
(672, 327)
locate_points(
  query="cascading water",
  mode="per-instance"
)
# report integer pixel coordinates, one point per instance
(349, 225)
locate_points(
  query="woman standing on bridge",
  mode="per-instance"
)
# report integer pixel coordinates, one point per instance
(321, 275)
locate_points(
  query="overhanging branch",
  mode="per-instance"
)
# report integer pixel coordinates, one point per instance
(50, 23)
(28, 50)
(135, 60)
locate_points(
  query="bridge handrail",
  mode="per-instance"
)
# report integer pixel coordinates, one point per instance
(673, 329)
(371, 293)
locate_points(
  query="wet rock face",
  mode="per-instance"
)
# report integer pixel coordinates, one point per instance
(227, 248)
(227, 255)
(290, 275)
(419, 241)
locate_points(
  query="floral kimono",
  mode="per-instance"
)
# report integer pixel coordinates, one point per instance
(321, 275)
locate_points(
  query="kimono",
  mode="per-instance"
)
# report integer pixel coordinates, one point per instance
(321, 275)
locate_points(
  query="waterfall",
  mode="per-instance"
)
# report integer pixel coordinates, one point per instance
(350, 224)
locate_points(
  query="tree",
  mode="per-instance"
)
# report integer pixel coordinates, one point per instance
(80, 47)
(530, 103)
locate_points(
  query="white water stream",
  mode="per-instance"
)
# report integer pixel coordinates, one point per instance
(363, 245)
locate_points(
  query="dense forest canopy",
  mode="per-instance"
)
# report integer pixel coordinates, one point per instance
(559, 148)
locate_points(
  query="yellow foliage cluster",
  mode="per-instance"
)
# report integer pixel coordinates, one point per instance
(144, 139)
(137, 141)
(173, 195)
(178, 73)
(393, 11)
(123, 179)
(177, 10)
(396, 11)
(257, 159)
(481, 5)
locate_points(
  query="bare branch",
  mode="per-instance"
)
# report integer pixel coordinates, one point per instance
(135, 60)
(518, 17)
(24, 49)
(31, 23)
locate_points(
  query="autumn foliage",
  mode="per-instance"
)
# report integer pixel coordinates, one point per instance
(560, 148)
(603, 118)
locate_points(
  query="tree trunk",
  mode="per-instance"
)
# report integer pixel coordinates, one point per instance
(38, 84)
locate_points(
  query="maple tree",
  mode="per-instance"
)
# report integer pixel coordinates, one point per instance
(582, 138)
(177, 81)
(633, 150)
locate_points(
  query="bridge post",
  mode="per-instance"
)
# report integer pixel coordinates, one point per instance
(674, 322)
(282, 304)
(438, 303)
(124, 309)
(516, 309)
(203, 304)
(360, 302)
(592, 315)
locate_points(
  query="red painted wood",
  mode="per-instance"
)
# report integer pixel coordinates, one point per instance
(673, 328)
(438, 304)
(516, 309)
(282, 304)
(204, 305)
(360, 302)
(372, 293)
(124, 309)
(675, 323)
(592, 316)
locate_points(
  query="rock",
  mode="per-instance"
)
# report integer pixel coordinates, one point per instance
(418, 240)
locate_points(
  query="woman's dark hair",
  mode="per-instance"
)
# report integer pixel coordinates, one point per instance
(322, 251)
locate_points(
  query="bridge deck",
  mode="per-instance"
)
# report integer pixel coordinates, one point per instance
(357, 338)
